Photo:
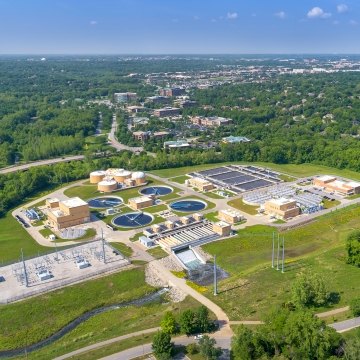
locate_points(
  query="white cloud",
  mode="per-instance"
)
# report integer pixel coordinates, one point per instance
(280, 14)
(342, 8)
(353, 22)
(195, 17)
(232, 16)
(93, 22)
(317, 12)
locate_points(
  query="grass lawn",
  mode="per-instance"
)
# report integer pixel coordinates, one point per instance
(180, 179)
(89, 234)
(124, 249)
(318, 247)
(156, 208)
(213, 195)
(302, 170)
(48, 313)
(82, 191)
(13, 238)
(157, 252)
(111, 324)
(330, 204)
(136, 236)
(240, 205)
(212, 216)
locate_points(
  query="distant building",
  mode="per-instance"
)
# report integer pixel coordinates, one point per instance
(139, 120)
(158, 99)
(282, 208)
(212, 121)
(160, 134)
(176, 144)
(331, 184)
(125, 97)
(174, 91)
(71, 212)
(146, 241)
(135, 109)
(167, 111)
(235, 139)
(185, 103)
(141, 135)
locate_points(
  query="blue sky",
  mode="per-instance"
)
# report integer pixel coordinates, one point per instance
(186, 26)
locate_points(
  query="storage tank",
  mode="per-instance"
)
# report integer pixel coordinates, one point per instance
(97, 176)
(107, 185)
(139, 177)
(121, 176)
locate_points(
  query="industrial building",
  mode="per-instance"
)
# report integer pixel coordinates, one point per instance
(111, 179)
(71, 212)
(332, 184)
(282, 208)
(211, 121)
(141, 135)
(141, 202)
(222, 228)
(230, 216)
(167, 111)
(201, 184)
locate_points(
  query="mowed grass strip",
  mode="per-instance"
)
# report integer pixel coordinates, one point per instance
(14, 237)
(253, 286)
(32, 320)
(240, 205)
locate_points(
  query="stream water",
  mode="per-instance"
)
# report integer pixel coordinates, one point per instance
(82, 318)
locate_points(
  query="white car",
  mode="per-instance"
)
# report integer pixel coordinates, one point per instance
(198, 337)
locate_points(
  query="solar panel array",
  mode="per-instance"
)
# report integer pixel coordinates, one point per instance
(240, 178)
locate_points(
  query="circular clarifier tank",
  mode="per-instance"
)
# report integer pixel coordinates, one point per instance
(132, 220)
(105, 202)
(188, 205)
(157, 190)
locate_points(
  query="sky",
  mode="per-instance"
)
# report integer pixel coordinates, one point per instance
(179, 27)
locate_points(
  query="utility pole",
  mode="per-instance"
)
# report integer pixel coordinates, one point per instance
(273, 250)
(283, 254)
(103, 245)
(24, 266)
(278, 253)
(215, 277)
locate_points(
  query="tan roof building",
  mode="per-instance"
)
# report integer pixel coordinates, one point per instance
(282, 208)
(201, 184)
(230, 216)
(141, 202)
(331, 184)
(71, 212)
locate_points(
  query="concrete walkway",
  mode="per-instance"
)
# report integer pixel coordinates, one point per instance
(332, 312)
(346, 325)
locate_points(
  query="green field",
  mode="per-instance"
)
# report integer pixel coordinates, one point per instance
(179, 179)
(212, 216)
(89, 234)
(13, 238)
(302, 170)
(253, 285)
(124, 249)
(48, 313)
(240, 205)
(112, 324)
(157, 252)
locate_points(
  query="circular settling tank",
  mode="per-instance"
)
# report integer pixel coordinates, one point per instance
(156, 190)
(105, 202)
(189, 205)
(132, 220)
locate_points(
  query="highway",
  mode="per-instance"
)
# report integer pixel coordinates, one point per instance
(15, 168)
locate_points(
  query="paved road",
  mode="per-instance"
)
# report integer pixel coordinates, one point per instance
(106, 342)
(146, 349)
(114, 142)
(11, 169)
(346, 325)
